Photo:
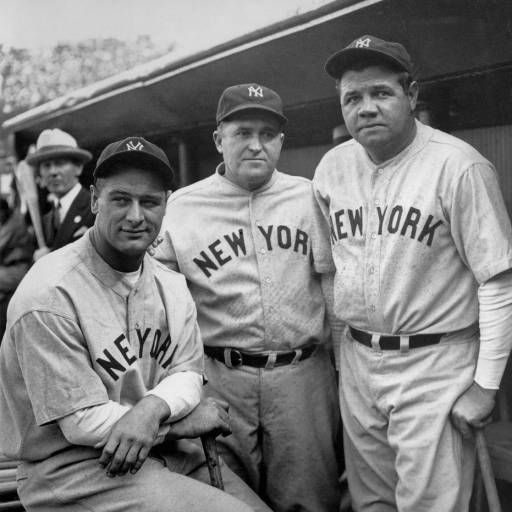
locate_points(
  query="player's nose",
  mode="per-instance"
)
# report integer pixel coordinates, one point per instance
(255, 143)
(135, 213)
(367, 106)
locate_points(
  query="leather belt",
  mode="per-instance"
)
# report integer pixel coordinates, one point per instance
(232, 357)
(393, 342)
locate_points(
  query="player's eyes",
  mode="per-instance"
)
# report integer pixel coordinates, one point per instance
(150, 203)
(350, 100)
(120, 200)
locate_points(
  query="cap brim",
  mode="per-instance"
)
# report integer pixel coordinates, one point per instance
(75, 153)
(338, 62)
(246, 107)
(131, 157)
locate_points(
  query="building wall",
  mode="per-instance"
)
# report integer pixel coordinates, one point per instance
(302, 161)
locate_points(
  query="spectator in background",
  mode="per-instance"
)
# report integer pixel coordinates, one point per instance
(60, 163)
(16, 249)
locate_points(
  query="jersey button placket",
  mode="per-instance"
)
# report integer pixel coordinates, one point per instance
(372, 251)
(263, 260)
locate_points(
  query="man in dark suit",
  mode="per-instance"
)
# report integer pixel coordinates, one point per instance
(60, 163)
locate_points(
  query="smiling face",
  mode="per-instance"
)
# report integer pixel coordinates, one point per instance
(60, 175)
(129, 206)
(378, 112)
(250, 145)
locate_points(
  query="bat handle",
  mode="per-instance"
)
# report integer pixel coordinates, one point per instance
(212, 460)
(487, 473)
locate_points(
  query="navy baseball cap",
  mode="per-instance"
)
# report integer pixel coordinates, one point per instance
(135, 150)
(246, 97)
(368, 46)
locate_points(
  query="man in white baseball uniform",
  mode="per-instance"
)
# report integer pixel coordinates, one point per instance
(101, 367)
(422, 250)
(247, 240)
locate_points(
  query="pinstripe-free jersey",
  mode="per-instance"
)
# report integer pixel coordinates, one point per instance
(248, 259)
(413, 237)
(78, 336)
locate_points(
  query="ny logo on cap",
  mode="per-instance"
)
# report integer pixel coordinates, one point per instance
(257, 92)
(130, 146)
(363, 43)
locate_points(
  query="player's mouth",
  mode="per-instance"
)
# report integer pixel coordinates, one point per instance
(134, 232)
(371, 126)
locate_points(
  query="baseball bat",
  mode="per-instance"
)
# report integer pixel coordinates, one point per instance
(487, 473)
(27, 188)
(212, 460)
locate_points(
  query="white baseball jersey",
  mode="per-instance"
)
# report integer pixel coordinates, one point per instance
(77, 337)
(414, 236)
(250, 260)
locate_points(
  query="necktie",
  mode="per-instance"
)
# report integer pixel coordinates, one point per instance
(56, 215)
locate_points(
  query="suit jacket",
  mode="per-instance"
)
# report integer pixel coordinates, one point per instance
(76, 222)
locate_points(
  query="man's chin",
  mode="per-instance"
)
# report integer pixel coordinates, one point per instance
(134, 248)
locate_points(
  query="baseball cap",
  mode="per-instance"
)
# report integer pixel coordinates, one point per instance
(133, 150)
(393, 53)
(243, 97)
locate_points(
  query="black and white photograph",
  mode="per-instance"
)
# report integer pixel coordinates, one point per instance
(255, 255)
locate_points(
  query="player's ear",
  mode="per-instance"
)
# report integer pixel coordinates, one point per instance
(413, 94)
(217, 139)
(94, 199)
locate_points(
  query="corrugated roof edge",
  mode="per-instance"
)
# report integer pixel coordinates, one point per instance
(162, 67)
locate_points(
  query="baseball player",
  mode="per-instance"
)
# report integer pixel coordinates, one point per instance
(101, 365)
(60, 163)
(246, 238)
(421, 244)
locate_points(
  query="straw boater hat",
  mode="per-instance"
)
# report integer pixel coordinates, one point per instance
(57, 144)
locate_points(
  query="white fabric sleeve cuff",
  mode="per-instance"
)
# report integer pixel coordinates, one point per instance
(181, 391)
(495, 319)
(91, 426)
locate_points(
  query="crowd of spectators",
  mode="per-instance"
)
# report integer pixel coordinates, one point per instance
(31, 77)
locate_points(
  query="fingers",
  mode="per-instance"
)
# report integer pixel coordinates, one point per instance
(142, 456)
(108, 451)
(130, 460)
(481, 423)
(461, 425)
(465, 426)
(117, 460)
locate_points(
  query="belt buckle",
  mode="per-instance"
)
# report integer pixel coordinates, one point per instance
(230, 361)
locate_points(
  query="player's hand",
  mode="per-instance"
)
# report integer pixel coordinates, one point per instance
(473, 409)
(42, 251)
(133, 436)
(156, 242)
(210, 416)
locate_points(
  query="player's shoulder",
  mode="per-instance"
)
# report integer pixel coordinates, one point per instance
(165, 274)
(39, 289)
(292, 180)
(337, 160)
(453, 148)
(184, 194)
(333, 156)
